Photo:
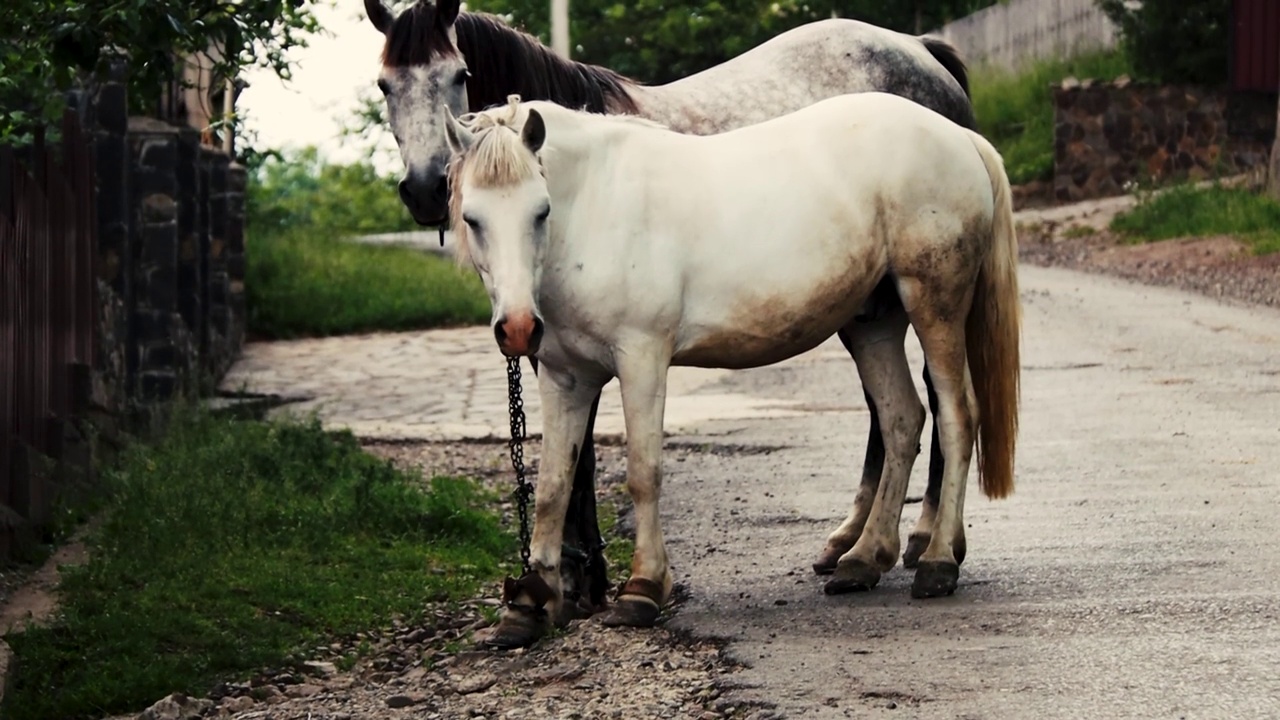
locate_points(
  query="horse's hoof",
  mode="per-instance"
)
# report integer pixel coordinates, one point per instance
(827, 561)
(916, 545)
(514, 630)
(632, 613)
(935, 579)
(852, 576)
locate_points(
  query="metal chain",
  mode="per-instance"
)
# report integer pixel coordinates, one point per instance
(524, 490)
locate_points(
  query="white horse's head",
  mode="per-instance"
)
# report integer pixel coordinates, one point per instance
(499, 208)
(421, 70)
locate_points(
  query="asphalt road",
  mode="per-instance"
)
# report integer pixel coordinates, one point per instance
(1131, 575)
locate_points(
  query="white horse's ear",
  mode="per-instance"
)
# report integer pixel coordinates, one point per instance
(379, 15)
(534, 132)
(459, 137)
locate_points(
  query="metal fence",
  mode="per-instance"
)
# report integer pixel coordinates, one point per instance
(48, 246)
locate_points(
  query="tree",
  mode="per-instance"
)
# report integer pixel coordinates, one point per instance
(49, 44)
(1174, 41)
(656, 41)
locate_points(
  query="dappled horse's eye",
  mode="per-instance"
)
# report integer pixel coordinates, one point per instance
(384, 87)
(461, 77)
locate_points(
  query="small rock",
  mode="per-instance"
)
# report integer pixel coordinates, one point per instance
(238, 704)
(269, 694)
(417, 636)
(400, 701)
(322, 669)
(176, 707)
(475, 683)
(303, 690)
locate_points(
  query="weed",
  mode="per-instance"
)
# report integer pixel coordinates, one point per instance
(230, 545)
(1080, 231)
(304, 282)
(618, 549)
(1190, 211)
(1015, 110)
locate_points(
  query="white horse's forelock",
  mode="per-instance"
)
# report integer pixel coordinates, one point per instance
(496, 158)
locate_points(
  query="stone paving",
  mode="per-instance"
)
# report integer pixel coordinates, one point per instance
(451, 385)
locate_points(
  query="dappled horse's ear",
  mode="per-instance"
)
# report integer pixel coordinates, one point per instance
(379, 15)
(459, 137)
(447, 11)
(534, 132)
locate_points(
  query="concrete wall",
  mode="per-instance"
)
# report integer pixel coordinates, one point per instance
(1010, 34)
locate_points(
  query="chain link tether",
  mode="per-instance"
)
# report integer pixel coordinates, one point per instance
(524, 490)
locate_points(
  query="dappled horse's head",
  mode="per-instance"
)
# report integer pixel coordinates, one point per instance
(499, 205)
(422, 71)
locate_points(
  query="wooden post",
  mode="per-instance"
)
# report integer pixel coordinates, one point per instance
(1273, 167)
(560, 27)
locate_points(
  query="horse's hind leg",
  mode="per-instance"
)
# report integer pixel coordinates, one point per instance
(886, 376)
(584, 566)
(939, 319)
(920, 535)
(843, 538)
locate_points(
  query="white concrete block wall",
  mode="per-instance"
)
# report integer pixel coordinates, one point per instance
(1010, 34)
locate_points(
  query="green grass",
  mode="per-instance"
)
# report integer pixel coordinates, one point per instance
(1015, 111)
(230, 545)
(304, 282)
(1188, 211)
(618, 549)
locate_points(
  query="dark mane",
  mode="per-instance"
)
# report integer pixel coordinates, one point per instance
(503, 61)
(416, 37)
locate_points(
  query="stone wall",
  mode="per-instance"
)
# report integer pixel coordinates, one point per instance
(1108, 136)
(164, 271)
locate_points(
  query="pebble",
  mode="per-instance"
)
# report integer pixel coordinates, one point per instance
(476, 683)
(323, 669)
(303, 690)
(400, 701)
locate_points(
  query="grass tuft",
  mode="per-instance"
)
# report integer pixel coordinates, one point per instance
(1190, 211)
(1015, 110)
(304, 282)
(230, 545)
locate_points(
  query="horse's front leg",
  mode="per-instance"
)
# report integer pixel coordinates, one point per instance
(643, 377)
(535, 601)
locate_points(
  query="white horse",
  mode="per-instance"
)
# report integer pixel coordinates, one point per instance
(613, 247)
(435, 56)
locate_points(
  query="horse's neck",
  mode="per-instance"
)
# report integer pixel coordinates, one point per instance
(542, 76)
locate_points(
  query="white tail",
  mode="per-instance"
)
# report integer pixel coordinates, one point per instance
(993, 332)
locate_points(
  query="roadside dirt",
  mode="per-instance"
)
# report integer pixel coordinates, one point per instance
(1076, 238)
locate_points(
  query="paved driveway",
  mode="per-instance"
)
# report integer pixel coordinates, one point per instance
(1131, 575)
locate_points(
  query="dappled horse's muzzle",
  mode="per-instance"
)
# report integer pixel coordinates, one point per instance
(427, 198)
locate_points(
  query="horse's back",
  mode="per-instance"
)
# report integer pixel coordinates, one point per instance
(813, 62)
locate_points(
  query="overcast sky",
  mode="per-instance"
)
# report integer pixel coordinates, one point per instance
(325, 83)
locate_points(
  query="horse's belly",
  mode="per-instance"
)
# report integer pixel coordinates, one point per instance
(767, 327)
